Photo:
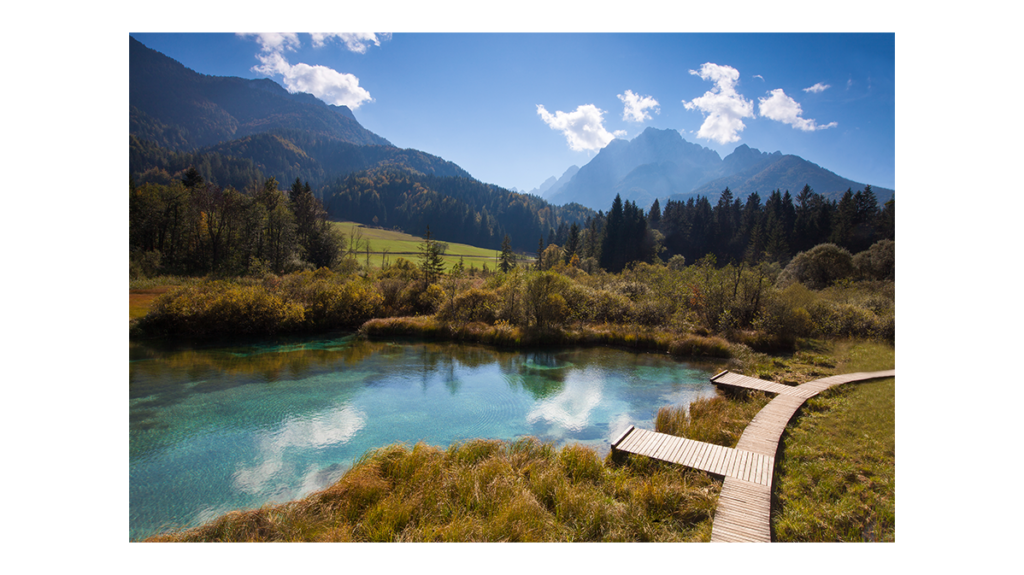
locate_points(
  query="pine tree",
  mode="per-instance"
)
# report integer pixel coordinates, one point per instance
(572, 246)
(508, 259)
(613, 257)
(654, 216)
(431, 262)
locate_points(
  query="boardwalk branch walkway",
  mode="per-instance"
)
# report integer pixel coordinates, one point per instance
(744, 505)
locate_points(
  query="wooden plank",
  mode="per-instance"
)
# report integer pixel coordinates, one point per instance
(666, 446)
(698, 455)
(755, 471)
(742, 466)
(622, 436)
(656, 440)
(631, 439)
(685, 458)
(716, 457)
(701, 462)
(730, 460)
(672, 448)
(719, 461)
(679, 445)
(716, 453)
(641, 445)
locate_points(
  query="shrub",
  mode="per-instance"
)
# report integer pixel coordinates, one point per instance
(219, 308)
(474, 304)
(609, 307)
(329, 305)
(833, 319)
(877, 262)
(677, 263)
(818, 267)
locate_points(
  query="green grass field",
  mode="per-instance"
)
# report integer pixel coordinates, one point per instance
(392, 245)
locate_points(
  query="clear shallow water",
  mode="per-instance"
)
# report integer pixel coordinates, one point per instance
(221, 428)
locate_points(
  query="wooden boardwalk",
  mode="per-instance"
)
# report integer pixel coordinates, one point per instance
(744, 505)
(726, 461)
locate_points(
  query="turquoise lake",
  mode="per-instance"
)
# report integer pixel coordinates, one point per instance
(218, 428)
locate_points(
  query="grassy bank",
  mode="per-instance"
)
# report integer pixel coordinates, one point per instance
(505, 335)
(835, 474)
(486, 491)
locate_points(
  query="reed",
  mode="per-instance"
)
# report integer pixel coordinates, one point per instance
(719, 420)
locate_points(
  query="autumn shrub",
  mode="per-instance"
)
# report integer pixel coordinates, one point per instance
(543, 300)
(834, 319)
(391, 292)
(609, 307)
(634, 290)
(330, 305)
(651, 311)
(220, 308)
(474, 304)
(692, 345)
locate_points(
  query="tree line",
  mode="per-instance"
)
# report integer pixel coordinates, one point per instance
(458, 209)
(733, 230)
(193, 227)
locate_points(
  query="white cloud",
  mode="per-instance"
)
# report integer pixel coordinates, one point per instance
(276, 42)
(819, 87)
(759, 76)
(722, 107)
(635, 106)
(782, 108)
(583, 129)
(354, 41)
(325, 83)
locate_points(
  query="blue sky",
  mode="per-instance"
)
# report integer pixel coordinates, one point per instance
(515, 108)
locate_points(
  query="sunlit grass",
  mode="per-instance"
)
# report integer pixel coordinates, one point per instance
(399, 244)
(719, 420)
(836, 470)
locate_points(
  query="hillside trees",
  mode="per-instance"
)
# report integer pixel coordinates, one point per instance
(194, 227)
(460, 209)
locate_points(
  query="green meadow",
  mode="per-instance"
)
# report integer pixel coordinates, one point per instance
(389, 245)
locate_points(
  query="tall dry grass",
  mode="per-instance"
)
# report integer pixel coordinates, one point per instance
(719, 420)
(486, 490)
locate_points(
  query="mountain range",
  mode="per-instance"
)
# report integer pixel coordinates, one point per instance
(285, 135)
(660, 164)
(234, 130)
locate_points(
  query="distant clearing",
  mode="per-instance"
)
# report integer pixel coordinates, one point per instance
(392, 245)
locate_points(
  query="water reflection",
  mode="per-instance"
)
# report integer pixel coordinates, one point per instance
(240, 425)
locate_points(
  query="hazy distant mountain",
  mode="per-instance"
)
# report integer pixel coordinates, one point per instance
(552, 185)
(786, 172)
(182, 109)
(682, 166)
(661, 164)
